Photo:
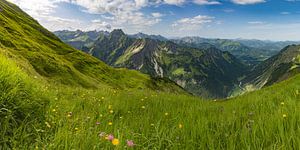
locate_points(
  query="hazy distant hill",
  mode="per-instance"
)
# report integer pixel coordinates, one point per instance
(251, 52)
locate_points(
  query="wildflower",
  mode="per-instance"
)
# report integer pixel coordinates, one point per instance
(130, 143)
(53, 110)
(121, 117)
(102, 134)
(115, 142)
(102, 98)
(143, 107)
(284, 115)
(109, 106)
(110, 137)
(70, 114)
(48, 125)
(111, 111)
(88, 117)
(215, 100)
(142, 99)
(101, 115)
(180, 126)
(110, 123)
(282, 103)
(76, 129)
(97, 123)
(166, 114)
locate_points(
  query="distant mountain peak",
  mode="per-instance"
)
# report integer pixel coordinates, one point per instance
(117, 32)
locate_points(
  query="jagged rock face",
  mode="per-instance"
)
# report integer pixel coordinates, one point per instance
(275, 69)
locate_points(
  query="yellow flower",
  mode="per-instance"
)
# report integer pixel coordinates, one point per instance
(111, 111)
(102, 98)
(109, 106)
(110, 123)
(142, 99)
(180, 126)
(101, 115)
(143, 107)
(166, 114)
(282, 103)
(284, 115)
(54, 110)
(115, 142)
(76, 129)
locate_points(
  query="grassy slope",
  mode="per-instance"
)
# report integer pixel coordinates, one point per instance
(254, 120)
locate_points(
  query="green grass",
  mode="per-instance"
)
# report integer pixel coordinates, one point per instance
(252, 121)
(178, 71)
(22, 107)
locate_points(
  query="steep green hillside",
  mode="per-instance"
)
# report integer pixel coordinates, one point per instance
(207, 72)
(277, 68)
(43, 55)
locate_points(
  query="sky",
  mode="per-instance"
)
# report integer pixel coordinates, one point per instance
(247, 19)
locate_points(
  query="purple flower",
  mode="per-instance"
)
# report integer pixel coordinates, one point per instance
(130, 143)
(110, 137)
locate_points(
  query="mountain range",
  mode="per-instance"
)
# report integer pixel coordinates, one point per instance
(211, 68)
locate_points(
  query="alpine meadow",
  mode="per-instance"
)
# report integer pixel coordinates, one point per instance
(149, 74)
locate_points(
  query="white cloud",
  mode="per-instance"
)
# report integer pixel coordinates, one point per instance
(206, 2)
(174, 2)
(156, 15)
(192, 23)
(285, 13)
(37, 7)
(256, 22)
(247, 2)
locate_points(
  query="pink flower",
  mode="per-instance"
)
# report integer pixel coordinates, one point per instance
(130, 143)
(110, 137)
(97, 123)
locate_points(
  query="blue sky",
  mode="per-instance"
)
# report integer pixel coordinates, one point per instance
(249, 19)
